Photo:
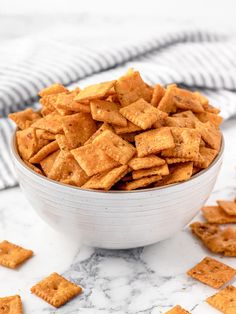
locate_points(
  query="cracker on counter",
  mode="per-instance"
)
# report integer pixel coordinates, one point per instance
(228, 207)
(12, 255)
(107, 111)
(141, 113)
(11, 305)
(154, 141)
(160, 170)
(96, 91)
(177, 310)
(212, 272)
(105, 180)
(216, 215)
(93, 160)
(56, 290)
(115, 147)
(150, 161)
(224, 300)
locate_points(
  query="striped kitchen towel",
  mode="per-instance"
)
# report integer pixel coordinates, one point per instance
(194, 58)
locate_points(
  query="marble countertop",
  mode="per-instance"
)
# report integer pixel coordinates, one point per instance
(146, 280)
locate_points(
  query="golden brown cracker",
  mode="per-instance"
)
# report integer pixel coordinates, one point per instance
(228, 207)
(180, 122)
(210, 134)
(212, 272)
(52, 90)
(214, 118)
(206, 157)
(177, 310)
(45, 135)
(11, 305)
(154, 141)
(26, 143)
(187, 143)
(65, 167)
(224, 300)
(160, 170)
(102, 128)
(78, 128)
(33, 167)
(131, 87)
(44, 152)
(24, 119)
(93, 160)
(141, 113)
(56, 290)
(140, 183)
(12, 255)
(130, 128)
(47, 163)
(51, 123)
(216, 215)
(166, 103)
(204, 230)
(107, 111)
(129, 137)
(96, 91)
(178, 173)
(186, 100)
(157, 95)
(115, 147)
(63, 143)
(150, 161)
(105, 180)
(175, 160)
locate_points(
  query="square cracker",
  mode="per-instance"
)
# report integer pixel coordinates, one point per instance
(93, 160)
(186, 100)
(166, 103)
(154, 141)
(105, 180)
(180, 122)
(157, 95)
(141, 113)
(56, 290)
(52, 123)
(11, 305)
(12, 255)
(160, 170)
(23, 119)
(150, 161)
(177, 310)
(187, 143)
(131, 87)
(52, 90)
(212, 272)
(107, 111)
(102, 128)
(130, 128)
(210, 134)
(214, 118)
(44, 152)
(65, 167)
(228, 207)
(216, 215)
(224, 300)
(115, 147)
(207, 155)
(140, 183)
(27, 143)
(178, 173)
(78, 128)
(96, 91)
(47, 163)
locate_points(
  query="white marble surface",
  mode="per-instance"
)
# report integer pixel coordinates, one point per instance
(146, 280)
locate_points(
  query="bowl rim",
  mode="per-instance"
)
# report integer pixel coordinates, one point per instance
(16, 156)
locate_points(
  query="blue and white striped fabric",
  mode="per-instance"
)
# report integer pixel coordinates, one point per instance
(196, 59)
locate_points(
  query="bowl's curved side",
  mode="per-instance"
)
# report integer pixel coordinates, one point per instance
(117, 220)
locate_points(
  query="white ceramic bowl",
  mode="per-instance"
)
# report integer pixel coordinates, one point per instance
(116, 219)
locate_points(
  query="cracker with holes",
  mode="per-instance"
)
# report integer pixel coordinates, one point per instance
(93, 160)
(107, 111)
(177, 310)
(224, 300)
(24, 119)
(131, 87)
(212, 272)
(78, 128)
(115, 147)
(228, 207)
(154, 141)
(96, 91)
(160, 170)
(105, 180)
(12, 255)
(216, 215)
(65, 167)
(141, 113)
(187, 144)
(150, 161)
(11, 305)
(56, 290)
